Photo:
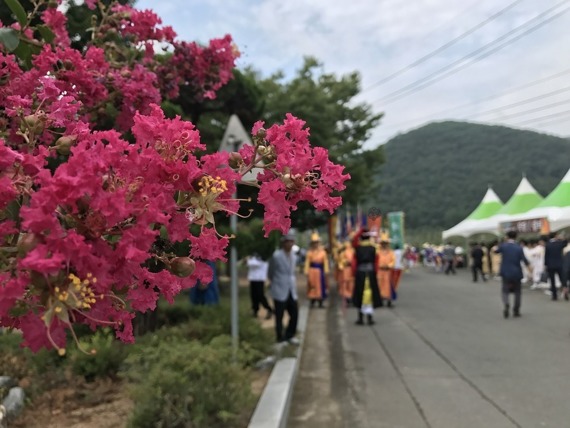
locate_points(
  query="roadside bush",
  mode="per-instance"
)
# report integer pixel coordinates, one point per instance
(173, 314)
(181, 384)
(105, 362)
(204, 323)
(13, 358)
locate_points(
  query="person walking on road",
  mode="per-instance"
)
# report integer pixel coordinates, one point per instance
(316, 269)
(386, 262)
(449, 258)
(566, 265)
(398, 267)
(477, 262)
(536, 262)
(283, 289)
(366, 295)
(257, 275)
(495, 260)
(553, 262)
(346, 277)
(511, 272)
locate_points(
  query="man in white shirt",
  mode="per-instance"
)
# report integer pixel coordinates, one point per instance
(257, 275)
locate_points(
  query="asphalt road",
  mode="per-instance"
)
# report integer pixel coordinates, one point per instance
(443, 357)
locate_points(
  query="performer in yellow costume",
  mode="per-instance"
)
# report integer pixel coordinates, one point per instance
(316, 269)
(336, 254)
(386, 262)
(346, 277)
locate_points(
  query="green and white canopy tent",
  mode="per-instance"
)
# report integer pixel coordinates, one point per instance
(523, 200)
(477, 221)
(555, 207)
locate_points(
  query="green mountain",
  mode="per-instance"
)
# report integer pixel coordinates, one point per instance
(437, 174)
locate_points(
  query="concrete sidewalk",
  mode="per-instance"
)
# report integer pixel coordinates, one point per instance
(272, 410)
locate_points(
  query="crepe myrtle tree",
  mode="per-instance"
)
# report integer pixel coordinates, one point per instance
(93, 175)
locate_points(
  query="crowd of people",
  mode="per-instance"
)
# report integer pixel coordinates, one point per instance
(365, 270)
(542, 263)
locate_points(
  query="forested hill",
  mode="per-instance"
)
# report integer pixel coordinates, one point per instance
(438, 173)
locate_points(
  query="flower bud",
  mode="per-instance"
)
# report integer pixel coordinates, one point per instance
(34, 123)
(63, 144)
(27, 243)
(235, 160)
(182, 266)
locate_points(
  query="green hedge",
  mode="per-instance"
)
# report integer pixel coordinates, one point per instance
(179, 383)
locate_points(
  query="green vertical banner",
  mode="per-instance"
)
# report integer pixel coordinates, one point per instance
(396, 228)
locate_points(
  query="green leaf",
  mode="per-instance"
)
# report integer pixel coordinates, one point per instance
(18, 10)
(9, 38)
(24, 52)
(46, 33)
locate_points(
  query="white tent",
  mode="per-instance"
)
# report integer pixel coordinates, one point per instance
(555, 207)
(477, 221)
(523, 200)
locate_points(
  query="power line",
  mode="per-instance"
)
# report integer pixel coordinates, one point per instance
(548, 122)
(425, 82)
(535, 110)
(526, 101)
(487, 98)
(442, 47)
(538, 119)
(474, 56)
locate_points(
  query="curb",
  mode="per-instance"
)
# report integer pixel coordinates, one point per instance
(272, 410)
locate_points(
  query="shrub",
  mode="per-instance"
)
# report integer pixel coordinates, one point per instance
(204, 323)
(173, 314)
(188, 384)
(107, 359)
(13, 359)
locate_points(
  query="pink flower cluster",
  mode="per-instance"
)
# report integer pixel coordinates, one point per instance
(83, 204)
(304, 173)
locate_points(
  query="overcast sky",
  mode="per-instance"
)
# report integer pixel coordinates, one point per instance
(380, 37)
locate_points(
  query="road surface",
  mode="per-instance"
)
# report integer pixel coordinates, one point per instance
(443, 357)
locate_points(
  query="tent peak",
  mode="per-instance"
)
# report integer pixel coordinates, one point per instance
(491, 196)
(525, 188)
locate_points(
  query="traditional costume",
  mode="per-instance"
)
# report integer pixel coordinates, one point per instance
(316, 269)
(346, 276)
(366, 295)
(386, 262)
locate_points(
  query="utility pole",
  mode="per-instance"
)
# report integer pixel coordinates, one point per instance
(235, 136)
(234, 143)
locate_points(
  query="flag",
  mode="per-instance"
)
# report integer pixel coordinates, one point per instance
(364, 220)
(375, 222)
(396, 228)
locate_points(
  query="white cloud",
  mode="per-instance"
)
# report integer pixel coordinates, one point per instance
(379, 37)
